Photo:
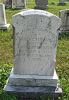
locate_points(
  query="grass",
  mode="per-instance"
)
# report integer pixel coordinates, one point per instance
(6, 52)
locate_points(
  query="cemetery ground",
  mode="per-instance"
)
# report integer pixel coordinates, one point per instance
(6, 52)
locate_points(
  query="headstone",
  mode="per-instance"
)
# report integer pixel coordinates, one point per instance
(35, 42)
(64, 15)
(18, 3)
(8, 3)
(62, 2)
(3, 23)
(41, 4)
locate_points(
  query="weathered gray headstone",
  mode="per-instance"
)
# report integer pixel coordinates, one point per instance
(8, 3)
(18, 3)
(64, 15)
(3, 23)
(35, 43)
(41, 4)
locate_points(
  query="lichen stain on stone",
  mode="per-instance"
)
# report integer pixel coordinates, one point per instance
(28, 48)
(41, 43)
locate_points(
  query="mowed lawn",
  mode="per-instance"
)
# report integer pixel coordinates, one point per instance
(6, 51)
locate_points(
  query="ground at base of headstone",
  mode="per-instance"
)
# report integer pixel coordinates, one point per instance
(34, 93)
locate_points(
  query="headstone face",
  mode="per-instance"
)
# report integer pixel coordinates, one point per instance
(18, 3)
(64, 15)
(8, 3)
(3, 23)
(41, 4)
(35, 42)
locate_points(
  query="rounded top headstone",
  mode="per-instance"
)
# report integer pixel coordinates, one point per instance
(35, 33)
(55, 19)
(33, 11)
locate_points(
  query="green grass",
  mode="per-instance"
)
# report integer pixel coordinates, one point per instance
(6, 52)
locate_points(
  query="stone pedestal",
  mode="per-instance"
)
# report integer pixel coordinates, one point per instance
(3, 23)
(33, 80)
(35, 93)
(64, 15)
(18, 4)
(41, 4)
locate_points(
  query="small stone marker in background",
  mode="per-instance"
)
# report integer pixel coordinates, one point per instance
(3, 23)
(64, 15)
(41, 4)
(8, 3)
(62, 2)
(35, 43)
(18, 3)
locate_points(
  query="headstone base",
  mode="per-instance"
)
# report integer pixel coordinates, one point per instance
(4, 26)
(18, 7)
(64, 28)
(41, 7)
(33, 80)
(33, 93)
(64, 31)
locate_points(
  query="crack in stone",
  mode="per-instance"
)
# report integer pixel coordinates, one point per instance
(41, 43)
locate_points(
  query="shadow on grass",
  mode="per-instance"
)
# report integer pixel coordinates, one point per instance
(6, 96)
(64, 35)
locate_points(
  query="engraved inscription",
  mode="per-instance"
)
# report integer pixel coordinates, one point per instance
(28, 48)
